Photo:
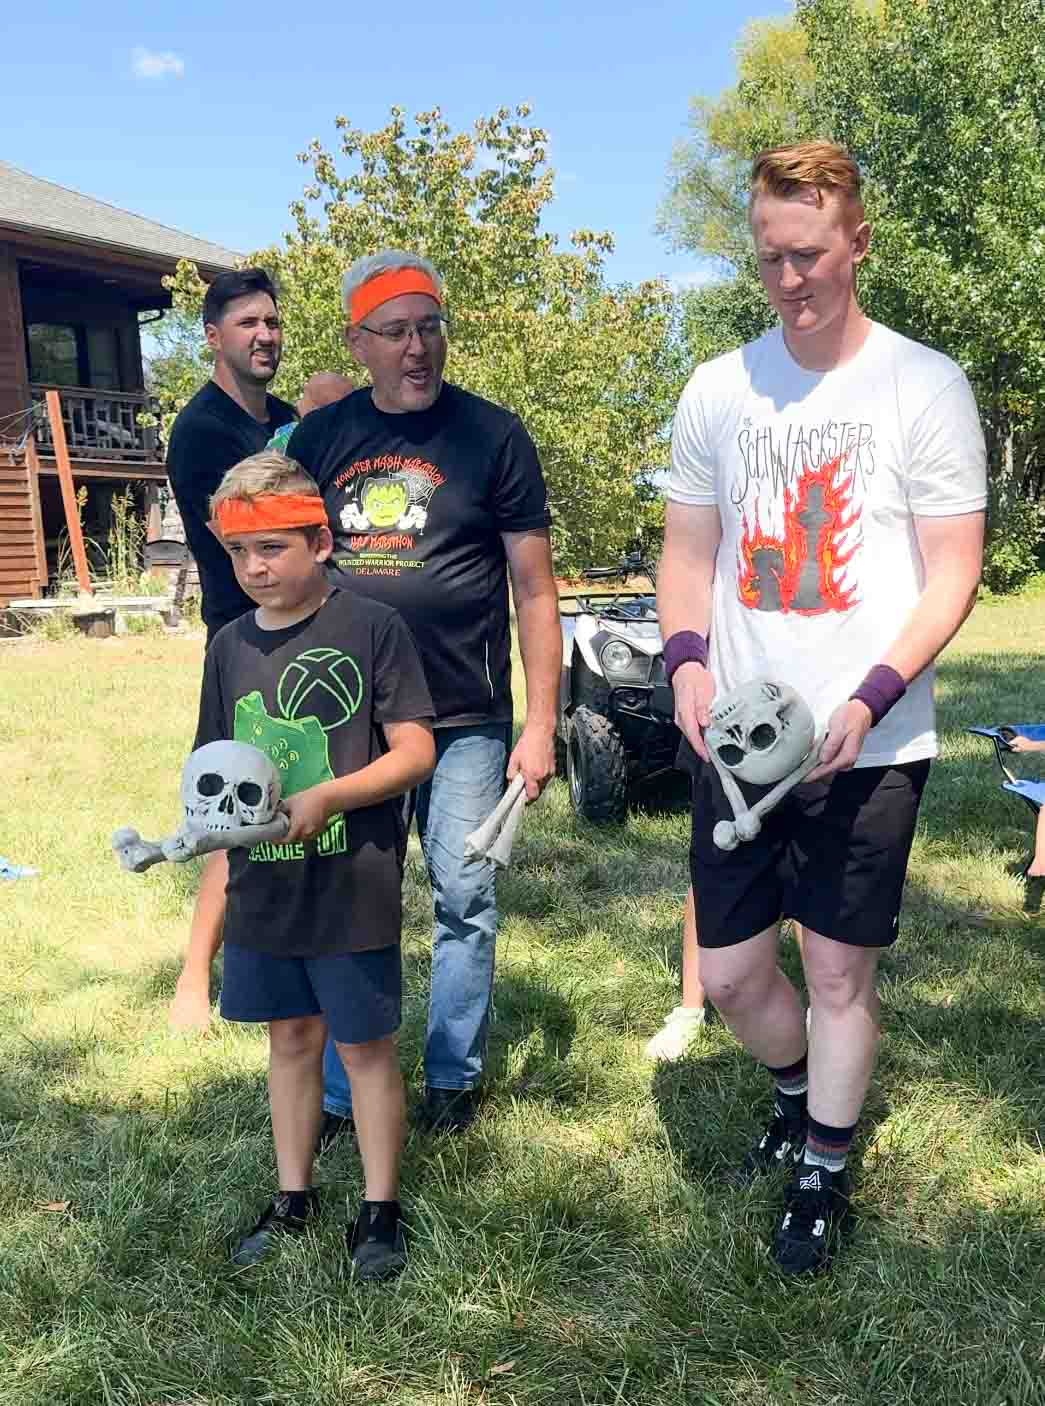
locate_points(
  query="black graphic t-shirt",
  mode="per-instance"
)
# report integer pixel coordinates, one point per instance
(417, 504)
(211, 434)
(313, 697)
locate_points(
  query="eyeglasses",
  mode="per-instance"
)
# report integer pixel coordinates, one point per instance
(429, 329)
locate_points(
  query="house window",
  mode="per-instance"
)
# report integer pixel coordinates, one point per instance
(68, 354)
(54, 354)
(103, 358)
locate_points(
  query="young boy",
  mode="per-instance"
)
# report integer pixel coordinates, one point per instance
(329, 685)
(1036, 868)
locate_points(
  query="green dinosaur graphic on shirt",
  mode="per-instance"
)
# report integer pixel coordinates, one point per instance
(298, 749)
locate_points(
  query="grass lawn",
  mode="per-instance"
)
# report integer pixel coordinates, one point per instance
(577, 1246)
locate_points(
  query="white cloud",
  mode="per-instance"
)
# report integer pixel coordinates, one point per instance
(698, 278)
(145, 63)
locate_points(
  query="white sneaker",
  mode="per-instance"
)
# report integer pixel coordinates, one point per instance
(678, 1032)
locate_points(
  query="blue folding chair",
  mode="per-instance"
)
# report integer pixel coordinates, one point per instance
(1033, 792)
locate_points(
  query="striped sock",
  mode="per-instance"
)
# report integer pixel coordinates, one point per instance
(792, 1085)
(826, 1146)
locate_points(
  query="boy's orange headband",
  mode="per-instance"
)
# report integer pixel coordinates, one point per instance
(270, 512)
(378, 290)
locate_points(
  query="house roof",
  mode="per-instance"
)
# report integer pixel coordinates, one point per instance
(30, 204)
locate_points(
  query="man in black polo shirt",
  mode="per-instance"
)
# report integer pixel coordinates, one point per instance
(228, 419)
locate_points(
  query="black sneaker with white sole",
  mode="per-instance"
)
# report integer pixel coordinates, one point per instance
(377, 1241)
(816, 1214)
(780, 1148)
(288, 1214)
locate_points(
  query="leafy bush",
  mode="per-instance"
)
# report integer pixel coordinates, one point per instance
(1015, 533)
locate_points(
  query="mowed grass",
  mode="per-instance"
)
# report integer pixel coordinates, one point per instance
(577, 1246)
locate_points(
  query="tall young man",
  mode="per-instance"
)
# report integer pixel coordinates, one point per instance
(435, 496)
(824, 528)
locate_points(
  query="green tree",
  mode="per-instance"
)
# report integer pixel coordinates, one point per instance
(943, 104)
(705, 209)
(592, 369)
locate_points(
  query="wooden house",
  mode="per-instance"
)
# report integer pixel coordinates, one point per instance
(78, 280)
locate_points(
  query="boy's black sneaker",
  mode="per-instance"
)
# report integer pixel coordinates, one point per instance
(448, 1110)
(333, 1127)
(781, 1146)
(376, 1241)
(816, 1212)
(289, 1213)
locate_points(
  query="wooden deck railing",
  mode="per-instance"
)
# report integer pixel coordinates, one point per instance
(100, 424)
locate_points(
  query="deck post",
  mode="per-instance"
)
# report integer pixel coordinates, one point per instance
(65, 478)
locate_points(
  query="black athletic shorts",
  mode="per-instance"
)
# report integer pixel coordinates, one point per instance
(832, 856)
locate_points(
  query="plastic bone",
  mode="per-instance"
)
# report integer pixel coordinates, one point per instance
(764, 733)
(230, 792)
(493, 839)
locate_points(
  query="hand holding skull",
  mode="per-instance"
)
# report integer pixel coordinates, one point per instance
(763, 733)
(231, 795)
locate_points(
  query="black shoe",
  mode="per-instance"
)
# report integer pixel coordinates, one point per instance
(289, 1213)
(448, 1110)
(376, 1241)
(816, 1212)
(781, 1146)
(334, 1126)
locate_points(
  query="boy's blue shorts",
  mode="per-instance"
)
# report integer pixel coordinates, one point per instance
(358, 993)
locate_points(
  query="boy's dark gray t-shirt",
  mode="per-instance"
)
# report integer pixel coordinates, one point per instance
(314, 697)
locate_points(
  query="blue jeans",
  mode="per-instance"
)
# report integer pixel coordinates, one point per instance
(467, 784)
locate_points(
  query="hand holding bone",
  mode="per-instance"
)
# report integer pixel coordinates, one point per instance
(231, 795)
(493, 839)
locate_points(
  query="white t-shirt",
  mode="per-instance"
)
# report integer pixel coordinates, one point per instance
(818, 477)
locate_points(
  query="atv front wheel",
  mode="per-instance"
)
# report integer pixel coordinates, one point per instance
(596, 768)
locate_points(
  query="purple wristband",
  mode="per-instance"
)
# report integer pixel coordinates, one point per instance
(684, 647)
(881, 689)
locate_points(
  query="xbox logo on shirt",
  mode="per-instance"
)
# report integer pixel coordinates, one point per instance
(323, 684)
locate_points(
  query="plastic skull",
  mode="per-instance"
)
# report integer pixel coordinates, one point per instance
(227, 784)
(761, 731)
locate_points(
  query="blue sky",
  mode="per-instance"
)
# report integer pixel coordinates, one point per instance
(193, 114)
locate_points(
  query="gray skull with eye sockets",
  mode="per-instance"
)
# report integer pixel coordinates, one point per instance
(761, 732)
(228, 784)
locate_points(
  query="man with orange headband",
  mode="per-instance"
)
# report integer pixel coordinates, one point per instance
(435, 496)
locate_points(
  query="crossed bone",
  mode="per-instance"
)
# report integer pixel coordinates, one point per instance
(493, 839)
(190, 841)
(747, 820)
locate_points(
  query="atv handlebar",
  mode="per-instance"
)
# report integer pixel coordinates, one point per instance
(634, 564)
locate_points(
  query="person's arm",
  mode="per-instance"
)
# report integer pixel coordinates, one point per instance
(536, 599)
(952, 554)
(685, 578)
(410, 759)
(190, 1008)
(1027, 744)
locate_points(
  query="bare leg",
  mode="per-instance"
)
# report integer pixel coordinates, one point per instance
(296, 1095)
(843, 1037)
(1037, 864)
(692, 990)
(680, 1028)
(190, 1009)
(379, 1108)
(755, 999)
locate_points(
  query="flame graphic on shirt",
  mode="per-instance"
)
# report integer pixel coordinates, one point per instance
(804, 569)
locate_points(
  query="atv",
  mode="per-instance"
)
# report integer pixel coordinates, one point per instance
(615, 728)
